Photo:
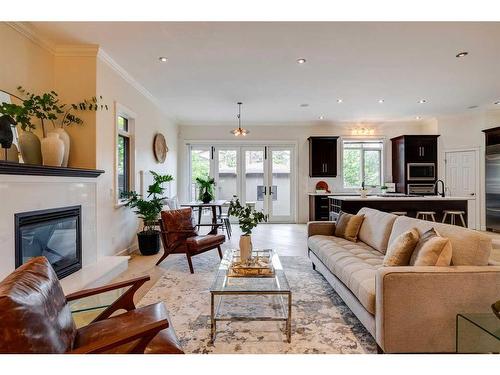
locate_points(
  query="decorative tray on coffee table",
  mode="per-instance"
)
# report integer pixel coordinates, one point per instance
(260, 265)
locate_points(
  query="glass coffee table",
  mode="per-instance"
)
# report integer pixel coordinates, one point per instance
(225, 285)
(477, 333)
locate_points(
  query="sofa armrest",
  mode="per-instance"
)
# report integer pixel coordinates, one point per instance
(325, 228)
(416, 307)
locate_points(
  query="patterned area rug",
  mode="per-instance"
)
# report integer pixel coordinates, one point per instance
(321, 322)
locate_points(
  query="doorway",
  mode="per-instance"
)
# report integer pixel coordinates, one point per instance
(260, 175)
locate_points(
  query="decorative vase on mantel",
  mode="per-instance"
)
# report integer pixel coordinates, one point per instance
(245, 247)
(30, 147)
(64, 137)
(52, 150)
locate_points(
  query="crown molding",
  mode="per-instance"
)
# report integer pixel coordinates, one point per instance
(24, 29)
(90, 50)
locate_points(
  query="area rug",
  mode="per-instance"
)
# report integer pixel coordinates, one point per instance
(321, 322)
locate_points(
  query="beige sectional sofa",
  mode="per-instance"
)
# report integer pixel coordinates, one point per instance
(407, 309)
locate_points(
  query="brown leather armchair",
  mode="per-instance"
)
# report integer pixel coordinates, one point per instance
(179, 236)
(35, 318)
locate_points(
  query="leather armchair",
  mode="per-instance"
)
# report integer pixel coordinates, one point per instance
(179, 236)
(35, 318)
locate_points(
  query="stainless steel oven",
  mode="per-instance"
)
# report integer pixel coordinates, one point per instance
(421, 189)
(421, 171)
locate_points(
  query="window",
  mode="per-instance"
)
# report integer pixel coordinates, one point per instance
(362, 162)
(124, 152)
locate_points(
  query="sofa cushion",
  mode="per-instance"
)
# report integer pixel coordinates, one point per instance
(470, 247)
(400, 250)
(348, 226)
(355, 264)
(376, 228)
(432, 250)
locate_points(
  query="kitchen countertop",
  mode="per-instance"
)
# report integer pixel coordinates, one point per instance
(402, 198)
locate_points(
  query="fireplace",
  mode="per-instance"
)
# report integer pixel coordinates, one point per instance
(55, 234)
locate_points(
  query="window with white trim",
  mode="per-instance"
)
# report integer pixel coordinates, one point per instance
(124, 169)
(362, 162)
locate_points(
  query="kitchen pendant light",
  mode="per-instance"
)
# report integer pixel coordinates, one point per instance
(239, 130)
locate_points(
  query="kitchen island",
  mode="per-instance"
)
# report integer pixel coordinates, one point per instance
(410, 204)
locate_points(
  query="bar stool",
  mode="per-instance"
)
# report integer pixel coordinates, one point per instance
(400, 213)
(426, 215)
(453, 214)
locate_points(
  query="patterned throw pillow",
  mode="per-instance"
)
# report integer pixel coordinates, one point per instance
(348, 226)
(432, 250)
(400, 250)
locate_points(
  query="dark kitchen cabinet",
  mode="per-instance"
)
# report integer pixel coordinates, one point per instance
(412, 149)
(322, 156)
(318, 208)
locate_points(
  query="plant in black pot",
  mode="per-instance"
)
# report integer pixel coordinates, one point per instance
(149, 211)
(205, 189)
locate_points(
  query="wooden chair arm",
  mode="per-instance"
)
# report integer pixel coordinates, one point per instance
(144, 333)
(124, 302)
(106, 288)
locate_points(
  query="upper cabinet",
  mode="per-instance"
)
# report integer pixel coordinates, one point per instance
(322, 156)
(421, 148)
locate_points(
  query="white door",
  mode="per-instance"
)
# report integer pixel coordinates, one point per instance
(227, 172)
(280, 189)
(462, 180)
(254, 177)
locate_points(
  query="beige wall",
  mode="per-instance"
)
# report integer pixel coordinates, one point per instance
(117, 226)
(295, 134)
(76, 77)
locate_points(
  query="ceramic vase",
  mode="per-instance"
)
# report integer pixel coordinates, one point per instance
(52, 150)
(13, 154)
(63, 136)
(30, 147)
(245, 247)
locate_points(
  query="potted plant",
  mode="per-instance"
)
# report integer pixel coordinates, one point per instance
(205, 189)
(248, 218)
(149, 211)
(383, 189)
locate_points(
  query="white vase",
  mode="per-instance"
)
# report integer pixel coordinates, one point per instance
(30, 147)
(63, 136)
(245, 247)
(52, 150)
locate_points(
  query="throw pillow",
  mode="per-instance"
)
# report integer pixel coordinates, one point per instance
(400, 250)
(432, 250)
(348, 226)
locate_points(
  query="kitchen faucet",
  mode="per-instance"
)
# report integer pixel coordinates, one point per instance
(436, 189)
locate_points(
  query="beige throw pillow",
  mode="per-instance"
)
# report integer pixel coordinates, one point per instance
(432, 250)
(348, 226)
(400, 250)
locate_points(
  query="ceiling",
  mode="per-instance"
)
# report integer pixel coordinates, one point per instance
(212, 65)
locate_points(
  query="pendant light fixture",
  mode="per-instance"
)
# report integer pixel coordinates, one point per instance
(239, 130)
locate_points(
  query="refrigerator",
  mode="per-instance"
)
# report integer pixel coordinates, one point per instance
(493, 188)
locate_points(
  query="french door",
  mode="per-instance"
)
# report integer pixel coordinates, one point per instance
(260, 175)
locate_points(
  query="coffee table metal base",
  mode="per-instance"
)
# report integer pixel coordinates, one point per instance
(286, 311)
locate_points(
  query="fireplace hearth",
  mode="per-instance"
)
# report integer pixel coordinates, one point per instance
(55, 234)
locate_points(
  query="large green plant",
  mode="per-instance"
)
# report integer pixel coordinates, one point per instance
(149, 209)
(248, 218)
(205, 185)
(47, 107)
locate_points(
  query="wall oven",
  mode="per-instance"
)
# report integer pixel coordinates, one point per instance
(421, 171)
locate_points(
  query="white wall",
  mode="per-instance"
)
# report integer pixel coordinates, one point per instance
(464, 131)
(117, 226)
(295, 134)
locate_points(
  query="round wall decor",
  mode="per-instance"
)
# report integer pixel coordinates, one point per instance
(160, 148)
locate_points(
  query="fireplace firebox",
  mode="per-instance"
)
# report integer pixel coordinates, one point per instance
(55, 234)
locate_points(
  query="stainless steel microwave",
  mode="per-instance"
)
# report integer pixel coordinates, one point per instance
(421, 171)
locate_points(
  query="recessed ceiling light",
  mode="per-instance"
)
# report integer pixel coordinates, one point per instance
(301, 61)
(381, 101)
(422, 101)
(162, 59)
(303, 105)
(462, 54)
(339, 101)
(321, 117)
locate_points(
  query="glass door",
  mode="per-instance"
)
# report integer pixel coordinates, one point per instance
(227, 172)
(201, 166)
(280, 184)
(254, 177)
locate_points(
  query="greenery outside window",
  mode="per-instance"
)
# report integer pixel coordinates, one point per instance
(361, 162)
(124, 175)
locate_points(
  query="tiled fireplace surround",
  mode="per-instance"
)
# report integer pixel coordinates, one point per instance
(30, 193)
